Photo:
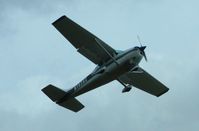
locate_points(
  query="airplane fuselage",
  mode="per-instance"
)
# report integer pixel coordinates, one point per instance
(108, 72)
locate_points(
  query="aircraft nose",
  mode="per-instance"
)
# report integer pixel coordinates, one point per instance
(142, 48)
(142, 52)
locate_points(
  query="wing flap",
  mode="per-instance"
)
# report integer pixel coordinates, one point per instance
(92, 56)
(144, 81)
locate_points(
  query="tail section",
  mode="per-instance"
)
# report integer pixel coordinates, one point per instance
(61, 98)
(72, 104)
(54, 93)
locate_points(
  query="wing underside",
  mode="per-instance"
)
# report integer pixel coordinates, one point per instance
(144, 81)
(84, 41)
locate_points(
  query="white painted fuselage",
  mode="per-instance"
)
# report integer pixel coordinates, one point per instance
(109, 71)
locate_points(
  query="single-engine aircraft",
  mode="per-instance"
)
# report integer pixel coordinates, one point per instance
(112, 64)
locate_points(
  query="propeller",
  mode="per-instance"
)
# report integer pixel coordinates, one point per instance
(142, 48)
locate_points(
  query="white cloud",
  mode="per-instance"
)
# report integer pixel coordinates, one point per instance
(26, 97)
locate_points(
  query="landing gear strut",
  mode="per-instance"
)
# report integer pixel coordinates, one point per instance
(127, 87)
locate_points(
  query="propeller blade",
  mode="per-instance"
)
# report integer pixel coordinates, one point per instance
(142, 48)
(144, 56)
(143, 52)
(138, 37)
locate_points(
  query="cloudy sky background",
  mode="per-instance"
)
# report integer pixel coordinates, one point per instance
(33, 54)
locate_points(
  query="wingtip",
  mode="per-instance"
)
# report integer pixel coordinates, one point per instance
(43, 89)
(61, 18)
(163, 92)
(76, 111)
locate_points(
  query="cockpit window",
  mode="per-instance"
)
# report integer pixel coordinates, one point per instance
(136, 47)
(118, 51)
(96, 68)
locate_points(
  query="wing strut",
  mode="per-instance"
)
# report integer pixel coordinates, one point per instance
(100, 45)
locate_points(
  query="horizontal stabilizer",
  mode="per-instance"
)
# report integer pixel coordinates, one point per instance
(53, 92)
(72, 104)
(59, 96)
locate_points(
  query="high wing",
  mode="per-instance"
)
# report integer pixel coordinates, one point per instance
(86, 43)
(144, 81)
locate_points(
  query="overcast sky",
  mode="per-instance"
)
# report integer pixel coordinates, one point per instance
(34, 54)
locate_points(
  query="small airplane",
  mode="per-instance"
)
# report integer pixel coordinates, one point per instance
(112, 64)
